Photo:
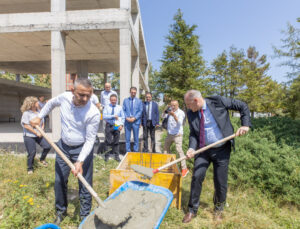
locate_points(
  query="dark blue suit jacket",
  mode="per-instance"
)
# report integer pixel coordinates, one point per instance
(137, 109)
(154, 114)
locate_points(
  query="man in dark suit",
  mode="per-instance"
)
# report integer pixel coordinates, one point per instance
(150, 120)
(209, 122)
(133, 108)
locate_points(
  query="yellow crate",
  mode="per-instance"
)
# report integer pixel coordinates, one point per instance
(169, 178)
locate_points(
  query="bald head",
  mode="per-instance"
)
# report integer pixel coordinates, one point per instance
(107, 86)
(193, 100)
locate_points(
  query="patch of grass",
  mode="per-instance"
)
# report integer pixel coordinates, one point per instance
(27, 201)
(248, 207)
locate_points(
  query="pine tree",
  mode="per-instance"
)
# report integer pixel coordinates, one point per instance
(182, 64)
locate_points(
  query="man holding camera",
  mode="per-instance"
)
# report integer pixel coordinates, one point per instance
(175, 132)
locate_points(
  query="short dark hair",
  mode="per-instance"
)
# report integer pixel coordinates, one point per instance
(148, 93)
(113, 95)
(133, 88)
(83, 81)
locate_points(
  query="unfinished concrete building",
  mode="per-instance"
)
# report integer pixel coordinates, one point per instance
(74, 36)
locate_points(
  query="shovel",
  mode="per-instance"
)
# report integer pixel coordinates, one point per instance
(107, 215)
(149, 172)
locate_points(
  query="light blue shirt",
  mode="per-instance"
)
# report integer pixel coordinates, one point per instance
(105, 97)
(212, 131)
(79, 124)
(109, 118)
(150, 109)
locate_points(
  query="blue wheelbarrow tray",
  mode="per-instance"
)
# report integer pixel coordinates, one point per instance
(134, 185)
(141, 186)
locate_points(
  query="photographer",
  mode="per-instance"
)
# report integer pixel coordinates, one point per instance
(175, 132)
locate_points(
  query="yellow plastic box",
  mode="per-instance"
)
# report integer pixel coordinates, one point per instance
(169, 178)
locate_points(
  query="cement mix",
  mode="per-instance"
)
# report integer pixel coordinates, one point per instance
(148, 172)
(137, 209)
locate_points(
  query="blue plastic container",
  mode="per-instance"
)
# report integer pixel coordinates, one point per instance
(141, 186)
(48, 226)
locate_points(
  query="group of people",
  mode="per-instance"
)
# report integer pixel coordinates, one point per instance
(80, 117)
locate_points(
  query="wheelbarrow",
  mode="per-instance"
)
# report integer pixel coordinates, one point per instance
(134, 185)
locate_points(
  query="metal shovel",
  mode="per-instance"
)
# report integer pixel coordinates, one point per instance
(149, 172)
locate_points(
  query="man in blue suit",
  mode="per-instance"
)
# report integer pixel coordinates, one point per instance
(150, 120)
(133, 108)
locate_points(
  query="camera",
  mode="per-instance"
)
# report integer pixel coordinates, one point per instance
(168, 110)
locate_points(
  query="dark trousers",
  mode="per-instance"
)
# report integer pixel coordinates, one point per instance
(220, 158)
(149, 128)
(112, 138)
(31, 149)
(62, 171)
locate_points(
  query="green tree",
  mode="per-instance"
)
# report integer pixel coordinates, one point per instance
(153, 82)
(182, 66)
(254, 80)
(43, 80)
(290, 52)
(219, 75)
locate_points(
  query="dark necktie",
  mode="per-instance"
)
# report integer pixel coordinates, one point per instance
(148, 110)
(113, 110)
(202, 132)
(131, 107)
(113, 113)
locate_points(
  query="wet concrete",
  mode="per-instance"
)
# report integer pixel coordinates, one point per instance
(136, 209)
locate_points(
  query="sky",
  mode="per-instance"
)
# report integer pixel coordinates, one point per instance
(221, 24)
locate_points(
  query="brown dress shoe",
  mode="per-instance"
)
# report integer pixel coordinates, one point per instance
(188, 217)
(218, 216)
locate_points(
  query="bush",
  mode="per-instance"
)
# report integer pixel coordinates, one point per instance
(268, 158)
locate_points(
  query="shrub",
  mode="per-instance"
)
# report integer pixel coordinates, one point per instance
(268, 158)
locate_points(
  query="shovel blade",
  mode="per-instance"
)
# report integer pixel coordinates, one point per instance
(148, 172)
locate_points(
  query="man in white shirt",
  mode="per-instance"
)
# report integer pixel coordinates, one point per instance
(79, 125)
(105, 95)
(114, 116)
(175, 133)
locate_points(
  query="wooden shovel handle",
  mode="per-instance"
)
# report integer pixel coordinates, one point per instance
(197, 152)
(71, 165)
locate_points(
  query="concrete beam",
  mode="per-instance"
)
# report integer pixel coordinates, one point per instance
(82, 69)
(65, 20)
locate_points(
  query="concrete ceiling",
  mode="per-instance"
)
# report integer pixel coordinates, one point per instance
(31, 52)
(26, 6)
(24, 89)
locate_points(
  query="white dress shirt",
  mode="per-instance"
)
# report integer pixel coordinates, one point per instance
(79, 124)
(94, 99)
(174, 127)
(105, 97)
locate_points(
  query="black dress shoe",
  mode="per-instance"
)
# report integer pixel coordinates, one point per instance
(59, 218)
(117, 158)
(106, 157)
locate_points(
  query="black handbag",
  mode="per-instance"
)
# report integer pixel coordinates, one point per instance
(164, 123)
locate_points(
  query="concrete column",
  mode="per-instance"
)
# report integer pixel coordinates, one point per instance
(82, 68)
(105, 77)
(136, 75)
(146, 74)
(18, 77)
(58, 5)
(58, 67)
(125, 56)
(135, 60)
